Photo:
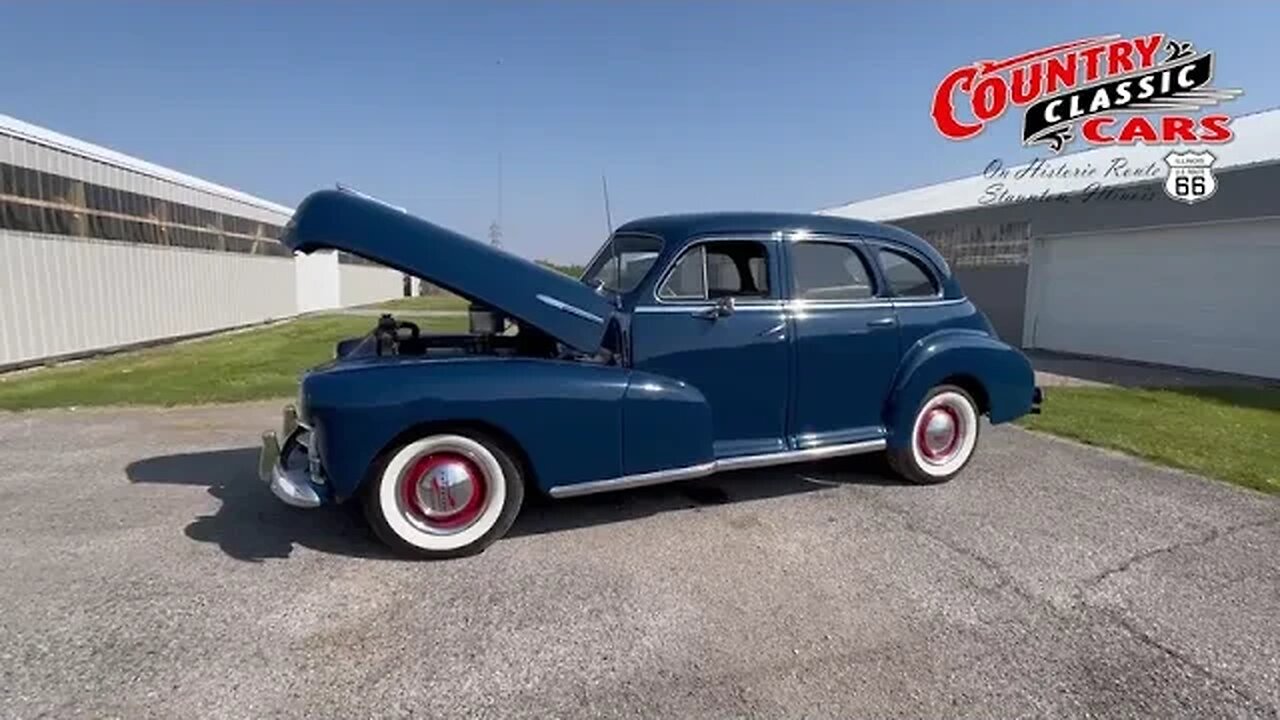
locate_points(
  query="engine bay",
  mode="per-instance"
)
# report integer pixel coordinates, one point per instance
(489, 333)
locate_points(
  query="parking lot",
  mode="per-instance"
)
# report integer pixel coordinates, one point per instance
(147, 573)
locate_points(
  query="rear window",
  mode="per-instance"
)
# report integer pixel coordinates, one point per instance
(905, 275)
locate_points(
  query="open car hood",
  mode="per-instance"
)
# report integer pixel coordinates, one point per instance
(560, 306)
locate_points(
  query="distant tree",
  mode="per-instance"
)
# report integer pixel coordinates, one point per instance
(574, 271)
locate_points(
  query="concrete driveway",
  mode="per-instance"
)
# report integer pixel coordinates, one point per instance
(145, 573)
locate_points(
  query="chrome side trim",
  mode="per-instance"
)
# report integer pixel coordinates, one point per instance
(929, 303)
(808, 454)
(690, 308)
(571, 309)
(702, 470)
(800, 305)
(803, 305)
(633, 481)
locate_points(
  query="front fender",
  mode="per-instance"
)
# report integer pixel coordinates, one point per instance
(1001, 371)
(564, 416)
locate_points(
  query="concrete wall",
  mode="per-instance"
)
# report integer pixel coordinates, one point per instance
(998, 290)
(61, 295)
(364, 284)
(318, 281)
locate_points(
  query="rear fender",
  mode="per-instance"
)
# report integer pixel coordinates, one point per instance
(1002, 372)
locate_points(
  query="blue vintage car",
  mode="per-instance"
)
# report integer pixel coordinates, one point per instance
(692, 344)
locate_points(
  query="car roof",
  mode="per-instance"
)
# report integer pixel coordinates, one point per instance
(678, 227)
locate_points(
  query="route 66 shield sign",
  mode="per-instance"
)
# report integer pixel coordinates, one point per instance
(1190, 177)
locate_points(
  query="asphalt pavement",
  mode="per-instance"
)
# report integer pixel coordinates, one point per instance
(145, 572)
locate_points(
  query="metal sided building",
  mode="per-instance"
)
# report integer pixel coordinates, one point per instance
(100, 250)
(1108, 265)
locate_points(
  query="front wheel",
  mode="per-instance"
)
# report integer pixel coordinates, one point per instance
(444, 496)
(943, 437)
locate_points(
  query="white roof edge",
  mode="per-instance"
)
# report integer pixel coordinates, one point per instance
(65, 143)
(1256, 142)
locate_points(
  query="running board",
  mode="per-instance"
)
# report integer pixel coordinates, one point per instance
(690, 472)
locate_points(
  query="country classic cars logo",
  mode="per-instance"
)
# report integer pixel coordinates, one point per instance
(1110, 89)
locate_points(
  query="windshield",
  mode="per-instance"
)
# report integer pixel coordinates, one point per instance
(623, 262)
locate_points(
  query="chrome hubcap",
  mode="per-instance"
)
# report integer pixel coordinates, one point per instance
(444, 492)
(939, 433)
(445, 489)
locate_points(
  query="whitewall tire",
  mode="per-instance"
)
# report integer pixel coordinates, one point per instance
(444, 495)
(944, 434)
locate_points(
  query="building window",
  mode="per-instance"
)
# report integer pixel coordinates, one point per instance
(39, 202)
(906, 277)
(829, 271)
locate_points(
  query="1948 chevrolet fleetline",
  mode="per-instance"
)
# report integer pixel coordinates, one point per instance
(692, 344)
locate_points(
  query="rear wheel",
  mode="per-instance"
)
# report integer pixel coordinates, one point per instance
(444, 495)
(944, 435)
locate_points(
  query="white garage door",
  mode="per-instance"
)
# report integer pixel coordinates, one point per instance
(1202, 297)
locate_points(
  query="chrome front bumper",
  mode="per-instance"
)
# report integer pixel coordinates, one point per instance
(292, 485)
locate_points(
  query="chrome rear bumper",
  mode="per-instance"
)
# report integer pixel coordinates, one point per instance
(292, 485)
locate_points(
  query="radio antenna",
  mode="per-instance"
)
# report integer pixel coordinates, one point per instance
(608, 217)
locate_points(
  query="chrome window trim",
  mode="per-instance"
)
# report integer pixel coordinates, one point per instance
(803, 305)
(599, 251)
(703, 305)
(701, 242)
(929, 302)
(667, 278)
(923, 262)
(852, 242)
(743, 462)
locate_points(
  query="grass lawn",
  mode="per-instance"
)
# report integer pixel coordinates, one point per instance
(443, 301)
(1232, 434)
(250, 365)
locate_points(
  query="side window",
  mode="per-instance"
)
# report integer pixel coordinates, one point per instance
(724, 268)
(829, 271)
(906, 277)
(686, 280)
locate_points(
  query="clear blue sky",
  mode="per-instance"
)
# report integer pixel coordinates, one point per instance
(685, 106)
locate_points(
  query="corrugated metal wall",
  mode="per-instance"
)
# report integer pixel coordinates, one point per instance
(62, 296)
(64, 289)
(70, 291)
(363, 284)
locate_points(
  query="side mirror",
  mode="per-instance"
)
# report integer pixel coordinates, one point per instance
(723, 308)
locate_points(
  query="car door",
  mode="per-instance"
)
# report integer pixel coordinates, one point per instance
(716, 321)
(846, 343)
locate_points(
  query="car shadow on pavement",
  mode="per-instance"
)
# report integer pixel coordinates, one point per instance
(252, 525)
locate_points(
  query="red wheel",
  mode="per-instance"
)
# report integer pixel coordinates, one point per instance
(445, 495)
(944, 435)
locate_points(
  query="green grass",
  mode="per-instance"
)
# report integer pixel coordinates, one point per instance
(443, 301)
(1232, 434)
(250, 365)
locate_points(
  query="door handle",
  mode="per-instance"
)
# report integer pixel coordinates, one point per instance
(882, 322)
